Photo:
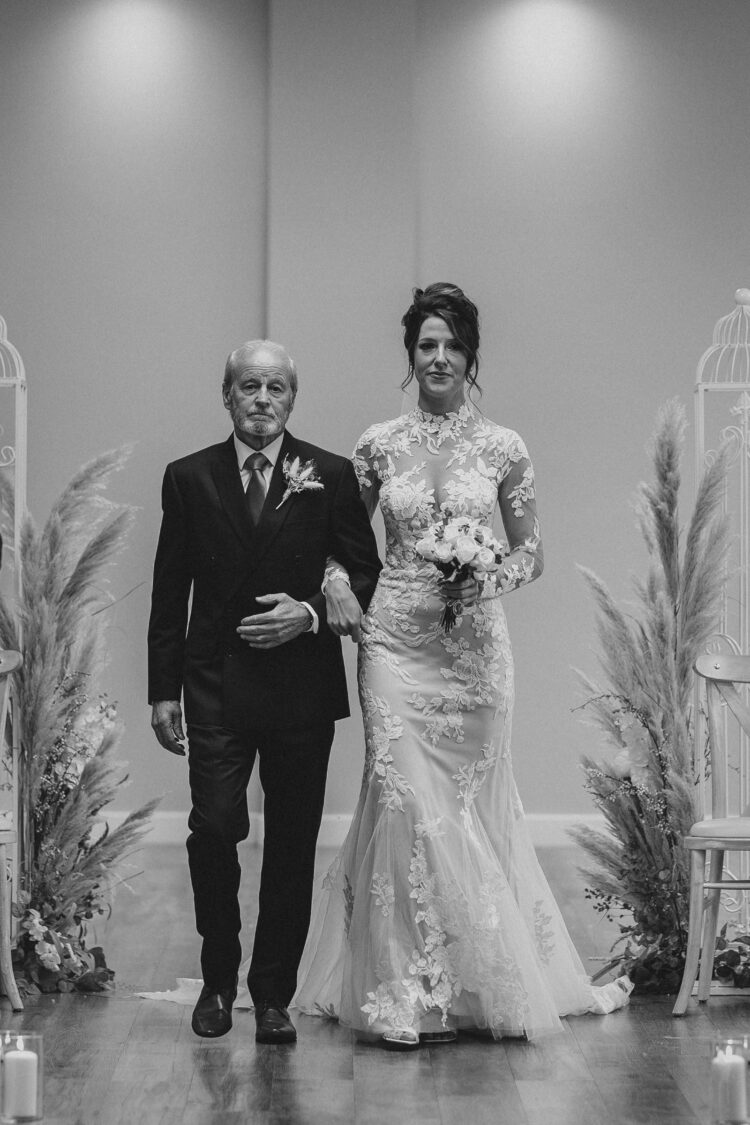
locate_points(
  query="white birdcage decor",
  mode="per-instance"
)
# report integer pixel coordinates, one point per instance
(13, 462)
(722, 414)
(13, 452)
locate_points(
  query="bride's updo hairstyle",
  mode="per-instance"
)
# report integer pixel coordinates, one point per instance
(460, 314)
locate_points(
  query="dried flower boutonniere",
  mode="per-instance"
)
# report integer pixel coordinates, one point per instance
(299, 477)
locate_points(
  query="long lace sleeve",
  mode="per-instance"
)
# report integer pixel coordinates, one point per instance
(517, 498)
(365, 461)
(368, 465)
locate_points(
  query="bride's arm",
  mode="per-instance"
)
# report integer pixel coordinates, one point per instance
(343, 611)
(517, 499)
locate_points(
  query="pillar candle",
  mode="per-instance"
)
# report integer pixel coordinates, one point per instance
(728, 1081)
(19, 1082)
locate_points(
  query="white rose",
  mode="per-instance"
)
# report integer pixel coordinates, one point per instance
(33, 923)
(485, 558)
(454, 528)
(426, 548)
(466, 548)
(443, 551)
(48, 955)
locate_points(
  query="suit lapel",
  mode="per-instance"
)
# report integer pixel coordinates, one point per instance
(229, 487)
(275, 513)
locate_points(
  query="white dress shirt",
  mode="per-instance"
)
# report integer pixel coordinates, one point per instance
(271, 453)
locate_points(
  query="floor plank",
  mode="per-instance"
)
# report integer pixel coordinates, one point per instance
(112, 1059)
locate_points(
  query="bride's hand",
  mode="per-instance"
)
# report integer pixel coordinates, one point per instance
(342, 610)
(466, 591)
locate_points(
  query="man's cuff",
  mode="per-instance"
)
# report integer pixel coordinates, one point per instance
(315, 623)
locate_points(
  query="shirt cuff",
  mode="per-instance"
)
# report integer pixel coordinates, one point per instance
(315, 623)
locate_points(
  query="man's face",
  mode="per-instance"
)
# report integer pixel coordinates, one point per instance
(260, 397)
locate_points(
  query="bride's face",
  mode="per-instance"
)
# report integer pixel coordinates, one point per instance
(439, 366)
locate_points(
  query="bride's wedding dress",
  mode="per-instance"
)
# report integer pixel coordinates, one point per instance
(436, 912)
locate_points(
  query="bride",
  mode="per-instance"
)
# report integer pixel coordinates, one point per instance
(436, 916)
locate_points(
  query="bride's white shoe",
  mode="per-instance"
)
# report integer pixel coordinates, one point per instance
(400, 1039)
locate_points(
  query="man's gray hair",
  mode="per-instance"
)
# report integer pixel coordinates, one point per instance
(247, 350)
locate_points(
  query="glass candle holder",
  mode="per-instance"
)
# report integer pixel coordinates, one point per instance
(729, 1081)
(21, 1077)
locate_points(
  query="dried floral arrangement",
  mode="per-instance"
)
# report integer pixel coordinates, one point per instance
(646, 788)
(68, 767)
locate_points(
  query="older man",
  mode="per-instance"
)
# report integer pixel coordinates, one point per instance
(246, 530)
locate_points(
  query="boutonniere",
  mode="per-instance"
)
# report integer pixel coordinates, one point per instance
(299, 477)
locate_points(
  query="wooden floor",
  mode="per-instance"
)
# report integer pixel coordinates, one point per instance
(114, 1059)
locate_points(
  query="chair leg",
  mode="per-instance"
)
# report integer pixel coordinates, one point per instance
(710, 922)
(695, 928)
(7, 976)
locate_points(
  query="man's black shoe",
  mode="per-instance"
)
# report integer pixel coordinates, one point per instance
(212, 1015)
(272, 1024)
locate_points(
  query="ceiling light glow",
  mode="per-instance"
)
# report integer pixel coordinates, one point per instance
(550, 59)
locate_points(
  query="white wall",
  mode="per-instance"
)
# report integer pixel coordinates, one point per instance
(584, 173)
(581, 168)
(132, 181)
(341, 235)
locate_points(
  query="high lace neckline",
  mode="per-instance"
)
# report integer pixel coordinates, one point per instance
(436, 429)
(450, 419)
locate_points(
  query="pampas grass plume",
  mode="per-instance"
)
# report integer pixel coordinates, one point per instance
(646, 660)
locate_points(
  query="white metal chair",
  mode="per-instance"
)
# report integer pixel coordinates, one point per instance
(9, 662)
(712, 837)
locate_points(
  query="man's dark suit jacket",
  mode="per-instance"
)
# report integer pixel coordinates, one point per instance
(208, 547)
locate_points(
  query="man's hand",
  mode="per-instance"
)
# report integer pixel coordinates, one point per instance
(343, 611)
(286, 621)
(166, 722)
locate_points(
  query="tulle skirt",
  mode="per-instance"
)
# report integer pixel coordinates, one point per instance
(435, 913)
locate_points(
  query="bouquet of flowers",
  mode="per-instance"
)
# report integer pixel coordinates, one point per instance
(461, 547)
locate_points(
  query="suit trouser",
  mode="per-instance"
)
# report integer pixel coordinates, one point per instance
(293, 766)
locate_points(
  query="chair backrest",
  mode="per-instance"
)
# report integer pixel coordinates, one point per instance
(9, 662)
(721, 671)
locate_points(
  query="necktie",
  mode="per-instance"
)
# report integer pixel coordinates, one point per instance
(255, 493)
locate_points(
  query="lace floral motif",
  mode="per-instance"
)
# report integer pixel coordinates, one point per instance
(391, 1006)
(523, 492)
(408, 498)
(458, 949)
(471, 491)
(378, 758)
(470, 780)
(435, 977)
(382, 891)
(545, 940)
(434, 429)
